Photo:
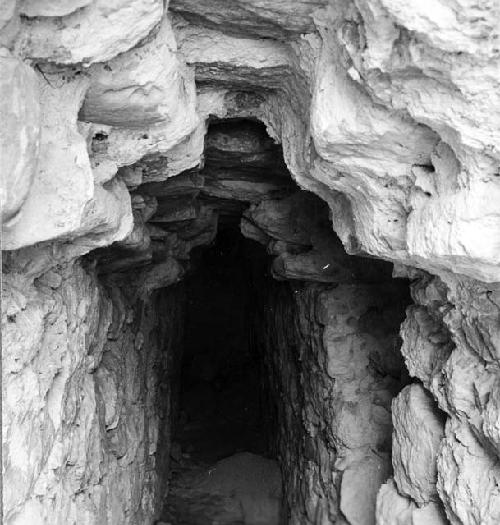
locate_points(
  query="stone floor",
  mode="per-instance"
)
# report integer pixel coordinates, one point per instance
(219, 474)
(243, 489)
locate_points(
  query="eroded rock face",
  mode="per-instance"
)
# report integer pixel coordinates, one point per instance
(418, 431)
(394, 509)
(143, 86)
(388, 112)
(449, 343)
(80, 416)
(20, 134)
(336, 371)
(414, 155)
(85, 31)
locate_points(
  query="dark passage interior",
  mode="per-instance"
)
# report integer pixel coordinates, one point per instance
(221, 410)
(222, 425)
(273, 353)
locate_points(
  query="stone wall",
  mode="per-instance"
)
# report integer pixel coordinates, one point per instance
(87, 385)
(448, 454)
(387, 110)
(333, 366)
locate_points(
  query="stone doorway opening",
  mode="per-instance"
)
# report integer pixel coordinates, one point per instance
(229, 330)
(223, 467)
(273, 353)
(221, 399)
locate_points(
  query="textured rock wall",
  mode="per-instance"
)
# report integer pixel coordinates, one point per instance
(389, 113)
(386, 110)
(333, 368)
(450, 458)
(86, 392)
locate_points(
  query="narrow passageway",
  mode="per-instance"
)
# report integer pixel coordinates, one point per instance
(241, 365)
(250, 262)
(289, 358)
(221, 470)
(220, 397)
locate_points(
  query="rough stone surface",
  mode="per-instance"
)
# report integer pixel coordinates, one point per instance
(20, 132)
(80, 416)
(389, 112)
(450, 344)
(418, 430)
(333, 371)
(260, 17)
(394, 509)
(145, 85)
(93, 32)
(63, 201)
(423, 178)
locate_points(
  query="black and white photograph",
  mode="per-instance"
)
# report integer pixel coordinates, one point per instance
(250, 262)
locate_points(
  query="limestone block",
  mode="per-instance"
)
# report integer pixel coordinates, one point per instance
(444, 28)
(291, 219)
(180, 139)
(360, 485)
(138, 238)
(426, 347)
(470, 392)
(160, 166)
(373, 146)
(444, 230)
(145, 203)
(259, 17)
(63, 182)
(63, 201)
(394, 509)
(314, 265)
(19, 133)
(107, 217)
(468, 478)
(417, 434)
(159, 276)
(229, 59)
(454, 52)
(344, 120)
(455, 94)
(188, 153)
(145, 85)
(96, 32)
(241, 190)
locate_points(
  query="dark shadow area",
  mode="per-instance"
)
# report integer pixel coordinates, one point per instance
(221, 471)
(220, 405)
(282, 341)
